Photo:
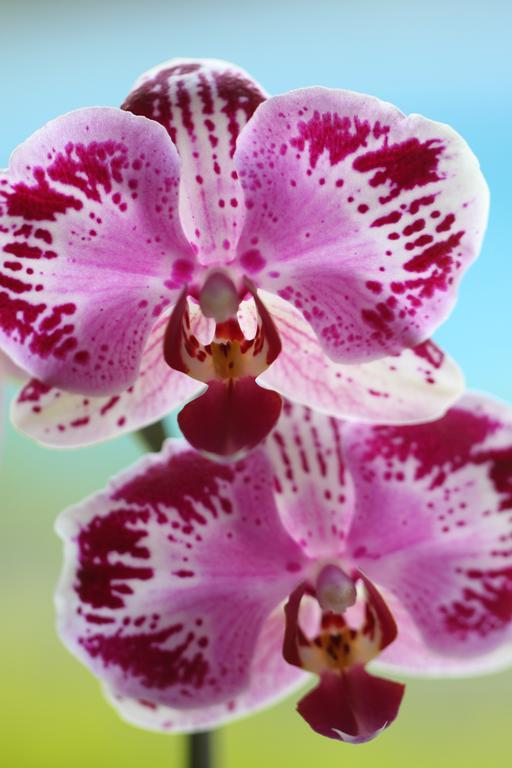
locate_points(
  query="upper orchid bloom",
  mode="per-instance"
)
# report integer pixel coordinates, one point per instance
(320, 232)
(380, 543)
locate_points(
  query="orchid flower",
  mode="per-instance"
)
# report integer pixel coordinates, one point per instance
(205, 234)
(383, 544)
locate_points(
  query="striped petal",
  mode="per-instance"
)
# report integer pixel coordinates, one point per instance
(313, 490)
(203, 104)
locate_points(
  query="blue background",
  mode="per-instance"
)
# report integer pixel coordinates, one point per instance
(447, 60)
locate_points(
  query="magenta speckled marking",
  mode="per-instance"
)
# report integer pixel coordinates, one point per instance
(252, 261)
(431, 353)
(453, 480)
(198, 485)
(172, 91)
(67, 219)
(403, 166)
(240, 96)
(101, 581)
(389, 218)
(87, 168)
(38, 202)
(339, 135)
(448, 448)
(309, 467)
(485, 605)
(147, 657)
(33, 391)
(91, 167)
(439, 255)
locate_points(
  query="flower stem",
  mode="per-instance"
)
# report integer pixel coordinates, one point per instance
(152, 436)
(199, 745)
(199, 750)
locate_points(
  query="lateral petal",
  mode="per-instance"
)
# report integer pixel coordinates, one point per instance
(63, 420)
(433, 522)
(92, 248)
(417, 385)
(170, 575)
(361, 217)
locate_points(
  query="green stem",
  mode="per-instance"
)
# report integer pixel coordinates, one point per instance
(199, 750)
(199, 745)
(152, 436)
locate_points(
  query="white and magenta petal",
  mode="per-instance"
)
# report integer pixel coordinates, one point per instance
(203, 104)
(313, 490)
(417, 385)
(92, 248)
(409, 654)
(158, 591)
(433, 522)
(271, 679)
(62, 419)
(362, 218)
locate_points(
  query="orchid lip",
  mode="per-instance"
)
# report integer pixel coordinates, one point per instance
(338, 646)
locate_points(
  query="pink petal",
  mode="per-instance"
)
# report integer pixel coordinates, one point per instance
(92, 245)
(271, 679)
(418, 385)
(203, 104)
(410, 654)
(230, 418)
(433, 522)
(170, 575)
(353, 707)
(61, 419)
(313, 492)
(362, 218)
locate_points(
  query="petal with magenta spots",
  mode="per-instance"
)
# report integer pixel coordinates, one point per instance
(363, 218)
(433, 522)
(157, 595)
(271, 679)
(92, 248)
(62, 419)
(417, 385)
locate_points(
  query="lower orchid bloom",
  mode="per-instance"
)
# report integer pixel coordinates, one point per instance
(199, 591)
(205, 234)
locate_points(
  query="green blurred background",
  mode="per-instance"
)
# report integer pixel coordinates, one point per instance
(450, 61)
